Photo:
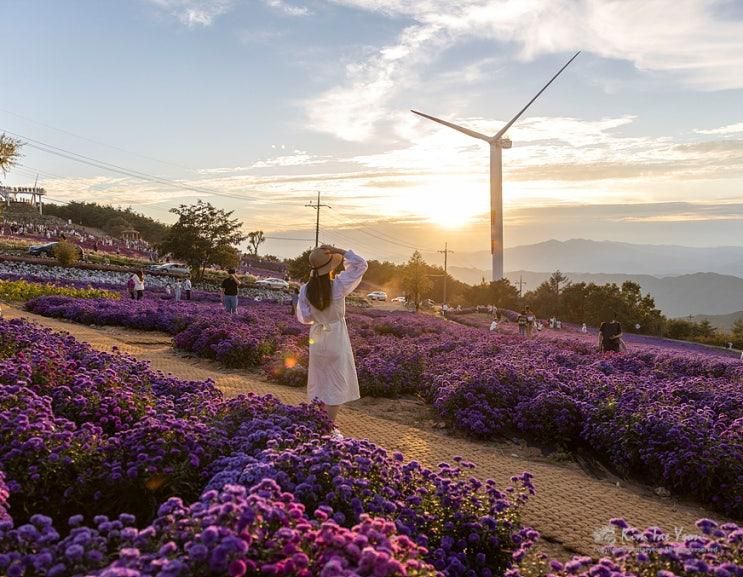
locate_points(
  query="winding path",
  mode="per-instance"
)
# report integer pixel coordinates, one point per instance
(571, 507)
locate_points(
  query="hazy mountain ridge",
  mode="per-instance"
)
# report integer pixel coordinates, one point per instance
(590, 256)
(671, 274)
(723, 322)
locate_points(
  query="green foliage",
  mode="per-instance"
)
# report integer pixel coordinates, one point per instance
(109, 219)
(255, 239)
(10, 152)
(415, 280)
(200, 235)
(703, 332)
(226, 257)
(299, 267)
(737, 330)
(500, 293)
(591, 303)
(66, 253)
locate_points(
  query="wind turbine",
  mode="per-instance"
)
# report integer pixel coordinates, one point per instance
(497, 142)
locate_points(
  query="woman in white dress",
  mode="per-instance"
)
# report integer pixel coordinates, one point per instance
(322, 303)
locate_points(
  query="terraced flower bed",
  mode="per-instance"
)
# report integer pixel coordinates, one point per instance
(22, 290)
(667, 418)
(108, 468)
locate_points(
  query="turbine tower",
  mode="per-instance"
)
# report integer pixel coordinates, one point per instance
(497, 143)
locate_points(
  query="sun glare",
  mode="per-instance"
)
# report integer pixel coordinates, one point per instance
(449, 203)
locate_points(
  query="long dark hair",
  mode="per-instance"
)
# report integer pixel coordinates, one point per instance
(319, 291)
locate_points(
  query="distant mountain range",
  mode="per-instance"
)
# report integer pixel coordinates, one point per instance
(724, 322)
(614, 257)
(683, 280)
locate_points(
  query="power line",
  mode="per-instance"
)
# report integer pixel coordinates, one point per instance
(317, 206)
(94, 141)
(365, 230)
(446, 252)
(83, 159)
(285, 238)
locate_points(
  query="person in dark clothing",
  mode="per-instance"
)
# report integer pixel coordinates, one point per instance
(295, 300)
(610, 335)
(522, 321)
(229, 292)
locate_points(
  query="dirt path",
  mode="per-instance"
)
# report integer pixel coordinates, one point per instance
(571, 505)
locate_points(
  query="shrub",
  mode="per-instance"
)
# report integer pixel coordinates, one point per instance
(66, 253)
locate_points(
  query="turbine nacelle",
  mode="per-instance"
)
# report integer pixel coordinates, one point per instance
(503, 143)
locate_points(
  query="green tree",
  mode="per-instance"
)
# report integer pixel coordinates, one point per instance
(298, 268)
(226, 257)
(737, 330)
(109, 219)
(200, 233)
(10, 152)
(415, 280)
(255, 239)
(500, 293)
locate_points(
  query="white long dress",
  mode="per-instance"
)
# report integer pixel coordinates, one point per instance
(331, 375)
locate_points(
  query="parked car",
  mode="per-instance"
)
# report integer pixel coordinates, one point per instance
(399, 300)
(377, 296)
(171, 268)
(48, 250)
(272, 283)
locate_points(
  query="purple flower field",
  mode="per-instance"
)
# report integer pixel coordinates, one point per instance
(108, 468)
(667, 418)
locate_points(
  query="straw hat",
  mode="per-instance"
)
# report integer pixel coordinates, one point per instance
(322, 263)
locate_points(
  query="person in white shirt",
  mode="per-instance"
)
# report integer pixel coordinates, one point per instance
(178, 287)
(139, 285)
(493, 326)
(331, 376)
(584, 328)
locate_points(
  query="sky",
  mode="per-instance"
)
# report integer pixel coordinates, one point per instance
(255, 105)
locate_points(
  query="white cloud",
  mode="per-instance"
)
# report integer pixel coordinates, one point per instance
(194, 13)
(351, 111)
(723, 130)
(297, 158)
(688, 40)
(288, 9)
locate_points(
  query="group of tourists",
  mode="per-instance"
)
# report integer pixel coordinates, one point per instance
(527, 322)
(45, 231)
(181, 288)
(609, 335)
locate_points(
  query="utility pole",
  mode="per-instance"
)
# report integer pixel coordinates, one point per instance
(445, 252)
(317, 206)
(521, 284)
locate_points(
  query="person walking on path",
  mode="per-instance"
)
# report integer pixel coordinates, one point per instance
(139, 285)
(610, 335)
(178, 287)
(187, 288)
(229, 292)
(331, 377)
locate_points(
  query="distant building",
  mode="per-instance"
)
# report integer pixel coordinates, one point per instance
(130, 234)
(32, 195)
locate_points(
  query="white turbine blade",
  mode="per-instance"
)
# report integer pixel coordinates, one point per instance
(502, 131)
(461, 129)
